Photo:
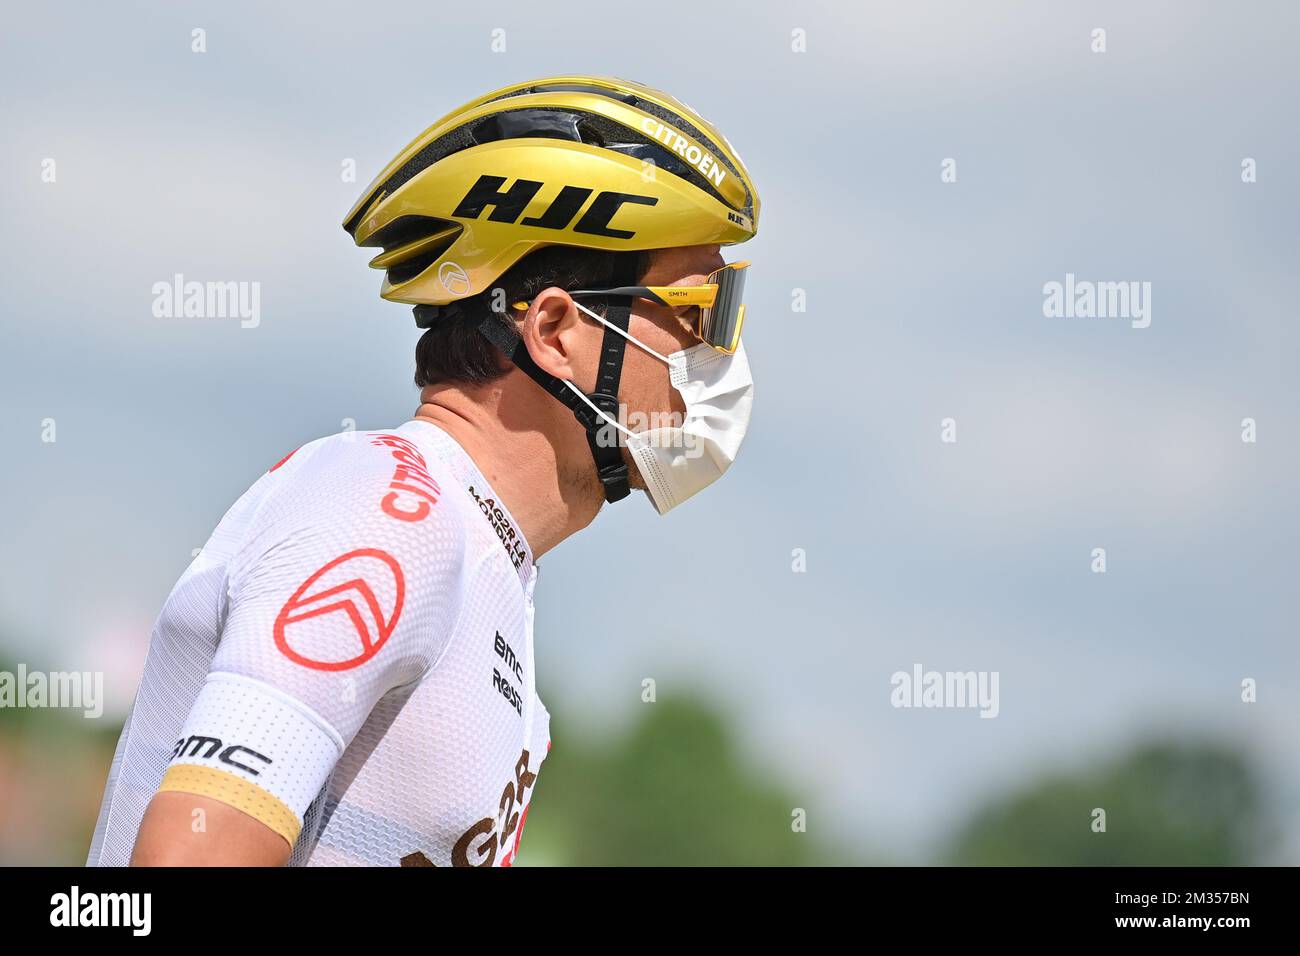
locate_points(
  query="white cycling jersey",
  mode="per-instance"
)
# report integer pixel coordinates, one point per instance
(350, 661)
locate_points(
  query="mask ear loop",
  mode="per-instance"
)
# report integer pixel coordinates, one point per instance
(614, 328)
(641, 345)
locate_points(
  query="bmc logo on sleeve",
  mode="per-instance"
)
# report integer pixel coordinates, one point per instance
(344, 613)
(208, 748)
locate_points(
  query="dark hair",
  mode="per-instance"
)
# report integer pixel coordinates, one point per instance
(452, 350)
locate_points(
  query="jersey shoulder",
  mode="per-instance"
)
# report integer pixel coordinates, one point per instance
(359, 521)
(358, 487)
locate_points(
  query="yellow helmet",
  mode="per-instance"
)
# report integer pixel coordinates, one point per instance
(587, 161)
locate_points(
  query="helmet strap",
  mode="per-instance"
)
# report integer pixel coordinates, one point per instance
(610, 466)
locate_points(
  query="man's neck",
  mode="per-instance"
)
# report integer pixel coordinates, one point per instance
(548, 498)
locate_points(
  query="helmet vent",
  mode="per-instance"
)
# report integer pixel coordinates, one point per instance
(407, 229)
(408, 269)
(522, 124)
(629, 98)
(411, 244)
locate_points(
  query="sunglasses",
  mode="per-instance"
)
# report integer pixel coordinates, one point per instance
(721, 315)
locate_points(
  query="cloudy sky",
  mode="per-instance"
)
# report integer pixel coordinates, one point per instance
(924, 302)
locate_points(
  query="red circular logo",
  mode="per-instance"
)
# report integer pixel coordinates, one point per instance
(337, 620)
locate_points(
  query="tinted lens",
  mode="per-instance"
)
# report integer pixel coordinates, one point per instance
(720, 323)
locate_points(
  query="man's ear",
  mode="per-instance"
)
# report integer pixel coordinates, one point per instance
(554, 332)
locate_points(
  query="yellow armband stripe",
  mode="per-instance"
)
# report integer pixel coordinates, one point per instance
(234, 791)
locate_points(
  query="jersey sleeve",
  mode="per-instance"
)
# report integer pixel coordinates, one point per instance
(342, 592)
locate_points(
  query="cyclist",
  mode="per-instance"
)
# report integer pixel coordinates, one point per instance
(345, 673)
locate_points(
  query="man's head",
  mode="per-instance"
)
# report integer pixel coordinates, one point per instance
(452, 356)
(540, 192)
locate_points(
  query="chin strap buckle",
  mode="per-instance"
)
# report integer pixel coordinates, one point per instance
(614, 478)
(610, 467)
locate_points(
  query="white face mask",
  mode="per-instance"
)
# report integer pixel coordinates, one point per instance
(718, 391)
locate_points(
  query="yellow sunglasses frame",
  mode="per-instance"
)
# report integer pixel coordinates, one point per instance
(676, 297)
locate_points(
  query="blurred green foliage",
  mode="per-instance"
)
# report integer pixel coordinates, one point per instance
(1166, 804)
(675, 789)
